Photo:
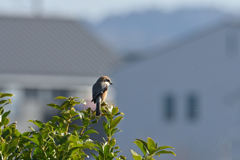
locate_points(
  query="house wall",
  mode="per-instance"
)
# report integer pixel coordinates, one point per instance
(33, 93)
(31, 104)
(202, 68)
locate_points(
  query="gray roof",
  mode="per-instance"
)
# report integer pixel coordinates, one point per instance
(51, 47)
(226, 22)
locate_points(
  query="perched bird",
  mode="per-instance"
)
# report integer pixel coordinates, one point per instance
(99, 92)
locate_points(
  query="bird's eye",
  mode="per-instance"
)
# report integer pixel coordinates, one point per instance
(108, 80)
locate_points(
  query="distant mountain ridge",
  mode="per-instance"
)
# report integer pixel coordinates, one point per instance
(137, 31)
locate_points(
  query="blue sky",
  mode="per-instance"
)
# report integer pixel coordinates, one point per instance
(96, 10)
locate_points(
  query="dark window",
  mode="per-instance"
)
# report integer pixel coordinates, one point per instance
(192, 107)
(56, 93)
(169, 107)
(232, 43)
(31, 93)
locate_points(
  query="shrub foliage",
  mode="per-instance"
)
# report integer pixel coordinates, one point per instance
(62, 139)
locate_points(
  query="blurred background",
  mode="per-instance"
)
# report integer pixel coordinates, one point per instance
(174, 64)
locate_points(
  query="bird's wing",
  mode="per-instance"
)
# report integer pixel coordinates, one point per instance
(98, 89)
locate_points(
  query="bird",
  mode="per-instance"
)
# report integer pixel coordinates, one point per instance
(99, 92)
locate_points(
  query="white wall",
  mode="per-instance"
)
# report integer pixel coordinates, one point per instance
(201, 66)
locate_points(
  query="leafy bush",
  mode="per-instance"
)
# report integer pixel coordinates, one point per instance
(150, 149)
(62, 139)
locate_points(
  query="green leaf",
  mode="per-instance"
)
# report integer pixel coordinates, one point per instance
(10, 151)
(165, 147)
(30, 146)
(115, 122)
(115, 130)
(151, 145)
(133, 152)
(6, 114)
(115, 110)
(73, 112)
(95, 121)
(86, 122)
(101, 155)
(73, 138)
(34, 140)
(106, 150)
(94, 155)
(17, 133)
(106, 128)
(75, 118)
(149, 158)
(81, 116)
(122, 157)
(9, 101)
(144, 144)
(75, 127)
(82, 101)
(99, 145)
(31, 128)
(45, 135)
(60, 97)
(135, 155)
(109, 120)
(5, 121)
(13, 143)
(6, 95)
(55, 106)
(55, 119)
(38, 153)
(112, 142)
(38, 137)
(64, 139)
(65, 105)
(26, 134)
(62, 124)
(37, 123)
(73, 103)
(1, 110)
(72, 149)
(90, 131)
(84, 137)
(165, 152)
(3, 101)
(6, 148)
(141, 146)
(66, 114)
(117, 147)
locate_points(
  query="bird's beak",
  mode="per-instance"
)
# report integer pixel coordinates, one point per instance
(111, 83)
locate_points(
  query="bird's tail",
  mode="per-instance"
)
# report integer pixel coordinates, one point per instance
(98, 106)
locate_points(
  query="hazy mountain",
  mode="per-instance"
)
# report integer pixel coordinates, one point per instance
(136, 31)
